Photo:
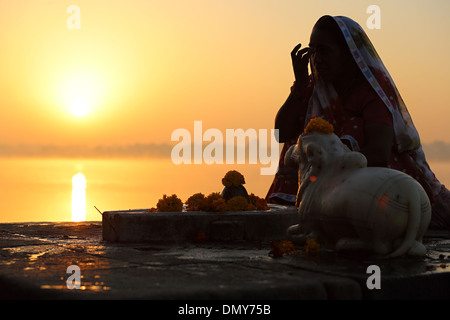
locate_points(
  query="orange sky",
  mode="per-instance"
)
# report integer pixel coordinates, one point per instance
(145, 68)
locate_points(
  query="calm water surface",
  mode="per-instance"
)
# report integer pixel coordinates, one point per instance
(36, 190)
(41, 189)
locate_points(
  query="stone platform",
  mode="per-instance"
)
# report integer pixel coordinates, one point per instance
(143, 226)
(34, 258)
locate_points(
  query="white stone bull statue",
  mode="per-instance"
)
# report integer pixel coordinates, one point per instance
(352, 207)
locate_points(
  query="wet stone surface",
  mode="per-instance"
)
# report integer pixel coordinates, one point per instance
(34, 258)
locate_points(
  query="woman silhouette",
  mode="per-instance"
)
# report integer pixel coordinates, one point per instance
(350, 87)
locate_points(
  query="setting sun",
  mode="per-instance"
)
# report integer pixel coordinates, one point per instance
(79, 107)
(80, 92)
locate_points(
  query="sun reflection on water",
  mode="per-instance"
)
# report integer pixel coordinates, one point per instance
(78, 197)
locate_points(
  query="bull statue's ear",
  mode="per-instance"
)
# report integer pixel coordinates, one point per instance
(292, 157)
(314, 153)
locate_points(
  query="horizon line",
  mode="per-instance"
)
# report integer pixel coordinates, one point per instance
(437, 150)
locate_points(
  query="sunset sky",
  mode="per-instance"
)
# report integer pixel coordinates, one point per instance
(140, 69)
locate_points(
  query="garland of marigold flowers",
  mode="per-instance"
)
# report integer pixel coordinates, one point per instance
(214, 202)
(319, 125)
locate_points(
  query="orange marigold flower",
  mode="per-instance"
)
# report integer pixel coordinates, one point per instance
(233, 178)
(213, 196)
(171, 203)
(258, 203)
(319, 125)
(218, 205)
(197, 202)
(312, 248)
(261, 204)
(237, 204)
(280, 248)
(215, 202)
(275, 251)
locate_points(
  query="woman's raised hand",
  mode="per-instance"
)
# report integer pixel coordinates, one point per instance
(300, 59)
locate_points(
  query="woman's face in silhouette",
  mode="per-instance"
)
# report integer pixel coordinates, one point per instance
(330, 60)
